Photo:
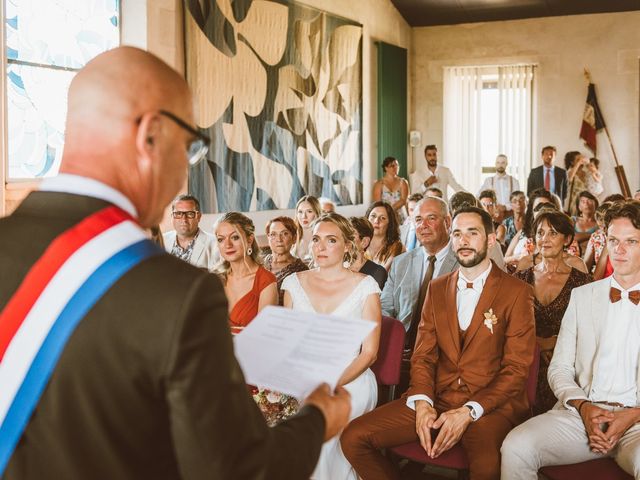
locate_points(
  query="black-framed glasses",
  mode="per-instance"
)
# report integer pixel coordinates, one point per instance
(199, 146)
(177, 214)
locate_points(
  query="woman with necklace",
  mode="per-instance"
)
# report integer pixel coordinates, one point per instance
(282, 234)
(552, 280)
(248, 286)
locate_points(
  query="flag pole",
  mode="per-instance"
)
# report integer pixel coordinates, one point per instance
(619, 169)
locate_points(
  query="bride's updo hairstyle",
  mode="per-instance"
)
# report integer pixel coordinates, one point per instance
(347, 230)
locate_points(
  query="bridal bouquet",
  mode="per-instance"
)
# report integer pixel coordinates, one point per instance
(275, 406)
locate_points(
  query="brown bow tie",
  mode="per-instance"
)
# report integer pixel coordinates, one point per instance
(615, 295)
(469, 284)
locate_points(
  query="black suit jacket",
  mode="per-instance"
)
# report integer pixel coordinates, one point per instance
(536, 180)
(147, 386)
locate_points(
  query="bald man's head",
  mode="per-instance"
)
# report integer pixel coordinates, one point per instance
(115, 131)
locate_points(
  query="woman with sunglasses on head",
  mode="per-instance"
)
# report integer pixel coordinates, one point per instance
(282, 234)
(248, 285)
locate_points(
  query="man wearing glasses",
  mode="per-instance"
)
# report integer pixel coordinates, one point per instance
(116, 360)
(188, 242)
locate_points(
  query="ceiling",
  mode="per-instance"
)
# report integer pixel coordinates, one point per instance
(423, 13)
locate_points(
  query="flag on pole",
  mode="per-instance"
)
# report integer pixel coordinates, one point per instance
(592, 120)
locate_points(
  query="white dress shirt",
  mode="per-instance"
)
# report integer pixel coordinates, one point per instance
(466, 302)
(66, 183)
(503, 185)
(445, 180)
(616, 365)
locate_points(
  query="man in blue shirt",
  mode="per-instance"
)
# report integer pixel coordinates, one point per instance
(548, 176)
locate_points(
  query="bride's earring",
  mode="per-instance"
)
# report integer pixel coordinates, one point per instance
(249, 251)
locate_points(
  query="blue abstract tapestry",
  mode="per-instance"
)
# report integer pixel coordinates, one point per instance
(278, 87)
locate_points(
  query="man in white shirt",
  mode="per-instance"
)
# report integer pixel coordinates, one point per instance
(472, 357)
(435, 175)
(188, 242)
(502, 183)
(594, 371)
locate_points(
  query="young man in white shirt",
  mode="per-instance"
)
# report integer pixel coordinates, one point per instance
(594, 371)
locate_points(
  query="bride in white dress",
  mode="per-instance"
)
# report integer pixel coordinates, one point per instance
(333, 289)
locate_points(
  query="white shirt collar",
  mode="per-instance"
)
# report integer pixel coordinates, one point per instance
(440, 254)
(478, 283)
(88, 187)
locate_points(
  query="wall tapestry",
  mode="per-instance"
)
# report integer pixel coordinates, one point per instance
(278, 86)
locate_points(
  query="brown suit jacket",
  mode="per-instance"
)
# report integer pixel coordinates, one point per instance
(494, 367)
(147, 386)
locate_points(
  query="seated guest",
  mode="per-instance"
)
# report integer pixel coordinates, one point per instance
(385, 244)
(515, 222)
(552, 280)
(523, 244)
(392, 188)
(307, 210)
(460, 199)
(327, 205)
(248, 285)
(400, 297)
(333, 289)
(408, 229)
(188, 242)
(360, 263)
(475, 345)
(569, 254)
(597, 239)
(489, 203)
(594, 371)
(585, 221)
(433, 192)
(281, 233)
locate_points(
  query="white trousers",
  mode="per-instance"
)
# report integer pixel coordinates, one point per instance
(558, 437)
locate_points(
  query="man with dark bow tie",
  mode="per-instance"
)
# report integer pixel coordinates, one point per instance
(472, 356)
(595, 370)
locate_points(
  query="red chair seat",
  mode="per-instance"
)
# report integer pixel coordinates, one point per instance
(455, 457)
(602, 469)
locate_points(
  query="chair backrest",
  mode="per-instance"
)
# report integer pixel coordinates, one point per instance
(386, 368)
(532, 381)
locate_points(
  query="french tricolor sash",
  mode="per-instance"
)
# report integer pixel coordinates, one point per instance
(74, 272)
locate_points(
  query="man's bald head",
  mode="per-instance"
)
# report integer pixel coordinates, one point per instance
(116, 134)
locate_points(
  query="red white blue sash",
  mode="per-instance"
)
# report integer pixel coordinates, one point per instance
(75, 271)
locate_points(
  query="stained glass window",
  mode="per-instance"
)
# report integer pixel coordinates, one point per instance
(47, 41)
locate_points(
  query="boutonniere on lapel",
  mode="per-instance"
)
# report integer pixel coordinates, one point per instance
(490, 319)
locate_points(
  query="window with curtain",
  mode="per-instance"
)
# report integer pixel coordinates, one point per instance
(46, 43)
(488, 111)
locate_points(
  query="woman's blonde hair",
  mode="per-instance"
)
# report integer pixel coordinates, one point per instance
(347, 230)
(244, 226)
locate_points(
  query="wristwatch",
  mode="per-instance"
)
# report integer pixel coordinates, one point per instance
(472, 413)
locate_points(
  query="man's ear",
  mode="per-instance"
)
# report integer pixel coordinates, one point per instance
(146, 138)
(365, 241)
(491, 240)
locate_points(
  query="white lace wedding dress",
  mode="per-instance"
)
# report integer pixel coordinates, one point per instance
(364, 389)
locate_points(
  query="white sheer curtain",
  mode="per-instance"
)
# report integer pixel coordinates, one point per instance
(515, 88)
(461, 111)
(462, 91)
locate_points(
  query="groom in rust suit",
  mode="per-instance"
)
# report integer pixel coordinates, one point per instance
(469, 367)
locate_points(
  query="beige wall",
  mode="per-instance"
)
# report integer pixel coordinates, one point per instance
(381, 22)
(607, 44)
